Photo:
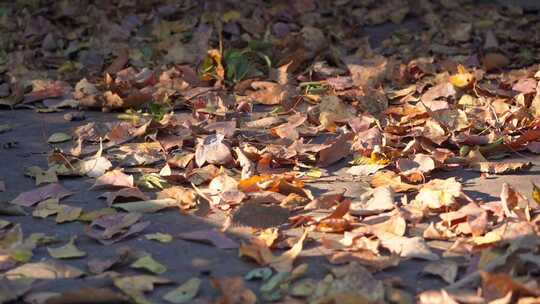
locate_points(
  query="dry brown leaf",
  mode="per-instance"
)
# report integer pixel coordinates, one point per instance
(114, 179)
(339, 148)
(263, 256)
(442, 90)
(369, 72)
(446, 269)
(125, 195)
(405, 247)
(288, 129)
(213, 150)
(378, 200)
(498, 285)
(184, 196)
(233, 291)
(270, 93)
(514, 204)
(439, 193)
(436, 297)
(30, 198)
(390, 178)
(495, 61)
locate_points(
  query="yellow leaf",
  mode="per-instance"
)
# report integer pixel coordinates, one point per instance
(536, 193)
(231, 15)
(462, 78)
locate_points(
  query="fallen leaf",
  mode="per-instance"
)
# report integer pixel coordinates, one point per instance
(85, 295)
(213, 150)
(495, 61)
(233, 291)
(114, 179)
(160, 237)
(477, 162)
(354, 284)
(47, 270)
(184, 293)
(365, 170)
(338, 148)
(68, 214)
(113, 228)
(376, 201)
(32, 197)
(270, 93)
(125, 194)
(405, 247)
(41, 176)
(58, 138)
(68, 251)
(12, 289)
(289, 129)
(439, 193)
(149, 206)
(135, 286)
(88, 216)
(436, 297)
(262, 255)
(497, 285)
(368, 72)
(212, 236)
(262, 274)
(185, 197)
(446, 269)
(148, 263)
(462, 79)
(94, 166)
(390, 178)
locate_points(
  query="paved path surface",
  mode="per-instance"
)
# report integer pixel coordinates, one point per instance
(183, 259)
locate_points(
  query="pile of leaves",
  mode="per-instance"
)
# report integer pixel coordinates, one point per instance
(236, 108)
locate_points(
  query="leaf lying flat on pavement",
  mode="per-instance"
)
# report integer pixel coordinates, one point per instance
(67, 251)
(42, 176)
(124, 194)
(59, 138)
(113, 228)
(32, 197)
(114, 179)
(135, 286)
(262, 254)
(184, 293)
(233, 290)
(405, 247)
(149, 206)
(147, 262)
(48, 269)
(212, 236)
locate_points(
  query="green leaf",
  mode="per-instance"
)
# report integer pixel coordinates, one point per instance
(263, 273)
(4, 224)
(21, 254)
(236, 65)
(58, 138)
(160, 237)
(185, 292)
(88, 216)
(274, 282)
(67, 251)
(304, 288)
(148, 263)
(157, 111)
